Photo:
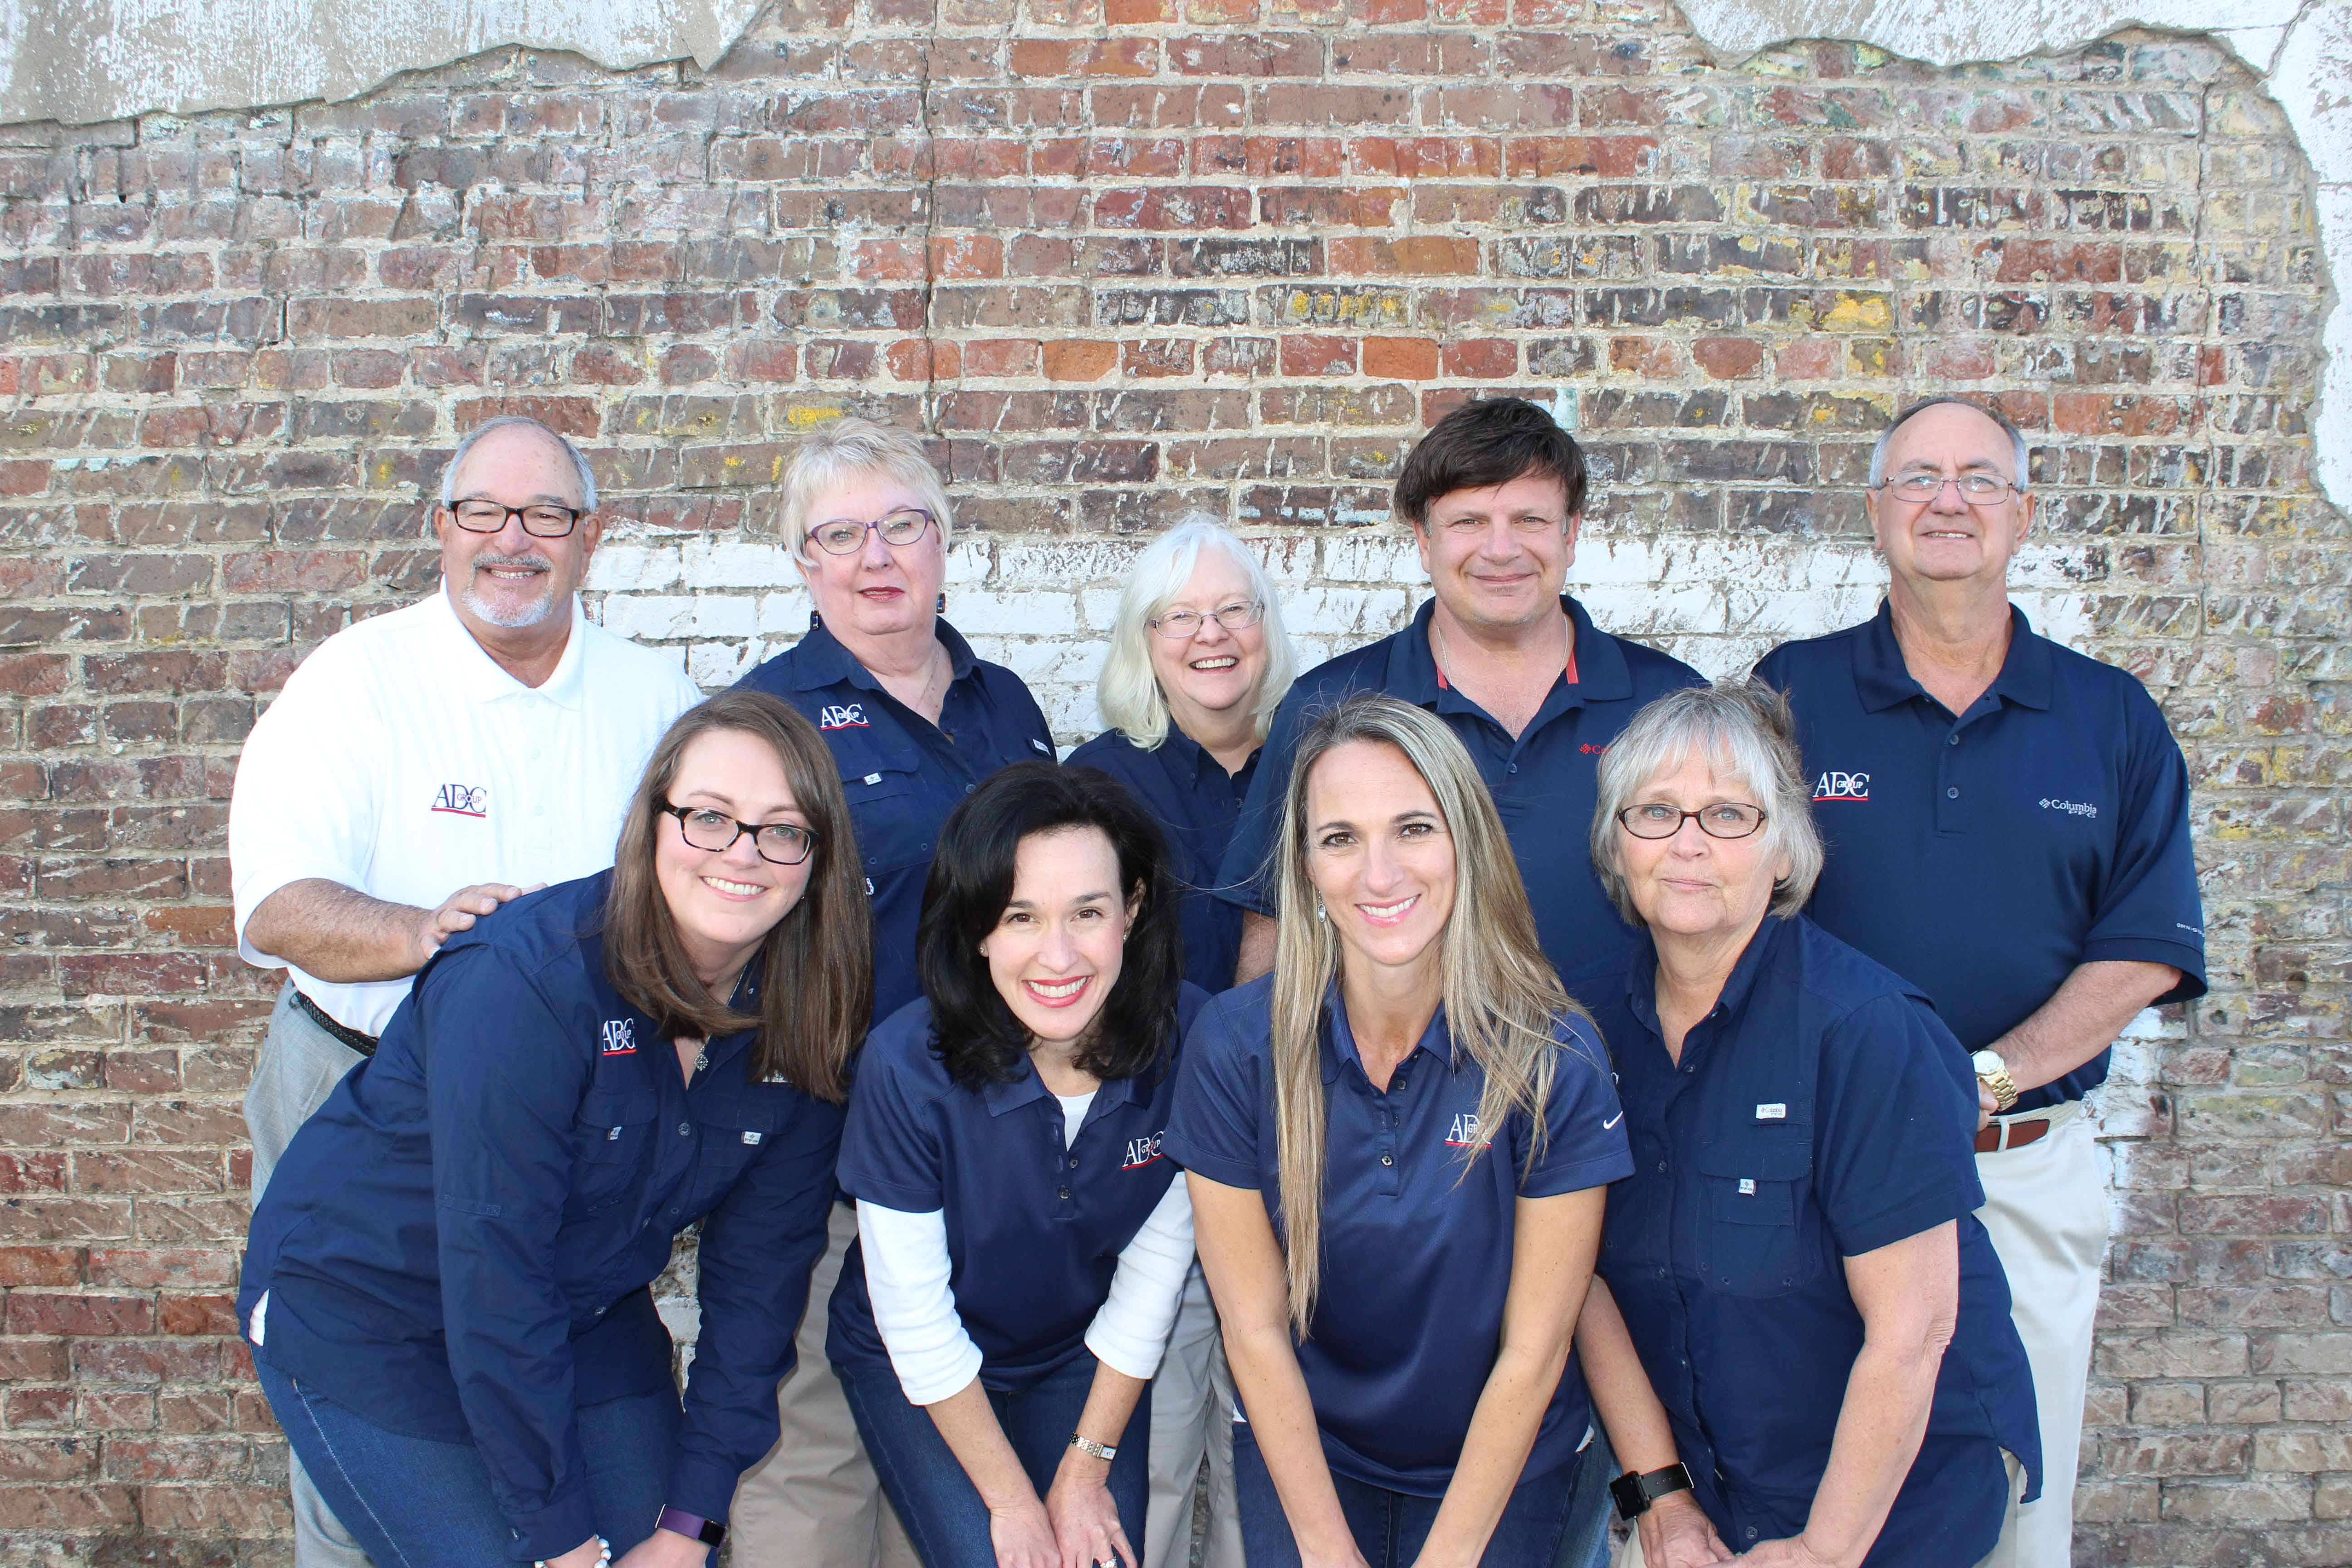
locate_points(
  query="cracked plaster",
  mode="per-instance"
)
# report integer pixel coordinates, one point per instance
(83, 61)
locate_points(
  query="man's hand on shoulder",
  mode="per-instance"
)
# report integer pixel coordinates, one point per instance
(347, 938)
(457, 912)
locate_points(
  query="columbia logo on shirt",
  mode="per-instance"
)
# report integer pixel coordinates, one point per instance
(620, 1039)
(462, 800)
(842, 716)
(2071, 807)
(1465, 1134)
(1836, 785)
(1141, 1152)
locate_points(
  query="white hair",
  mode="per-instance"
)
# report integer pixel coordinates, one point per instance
(580, 469)
(1126, 691)
(2018, 478)
(852, 448)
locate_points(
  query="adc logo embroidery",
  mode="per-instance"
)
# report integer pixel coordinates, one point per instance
(1465, 1132)
(1834, 786)
(462, 800)
(1142, 1151)
(2071, 807)
(842, 716)
(620, 1037)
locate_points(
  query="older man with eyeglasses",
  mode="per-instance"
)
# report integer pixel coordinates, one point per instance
(421, 768)
(2006, 826)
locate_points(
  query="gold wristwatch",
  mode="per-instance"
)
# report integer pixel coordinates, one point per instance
(1993, 1073)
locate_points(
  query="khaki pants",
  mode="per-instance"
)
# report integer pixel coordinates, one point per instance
(2046, 1209)
(814, 1502)
(299, 1066)
(1192, 1415)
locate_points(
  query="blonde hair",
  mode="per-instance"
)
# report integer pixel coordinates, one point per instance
(1503, 1002)
(852, 448)
(1126, 691)
(1745, 730)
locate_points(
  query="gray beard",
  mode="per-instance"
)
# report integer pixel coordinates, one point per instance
(529, 615)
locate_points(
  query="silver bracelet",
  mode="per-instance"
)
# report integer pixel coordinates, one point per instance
(604, 1554)
(1093, 1450)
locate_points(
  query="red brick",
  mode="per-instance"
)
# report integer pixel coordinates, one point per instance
(1313, 355)
(1079, 358)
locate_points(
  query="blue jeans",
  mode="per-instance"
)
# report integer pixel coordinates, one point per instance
(1585, 1542)
(1391, 1527)
(937, 1501)
(415, 1503)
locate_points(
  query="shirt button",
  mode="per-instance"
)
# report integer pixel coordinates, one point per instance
(1952, 740)
(1388, 1159)
(1073, 1164)
(1065, 1194)
(1661, 1171)
(1953, 792)
(1515, 767)
(685, 1128)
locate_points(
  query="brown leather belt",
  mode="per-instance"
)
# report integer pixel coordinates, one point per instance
(2018, 1134)
(363, 1044)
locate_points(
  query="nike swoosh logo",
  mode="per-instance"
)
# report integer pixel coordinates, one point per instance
(1612, 1121)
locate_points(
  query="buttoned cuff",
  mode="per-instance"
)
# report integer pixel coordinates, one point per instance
(553, 1531)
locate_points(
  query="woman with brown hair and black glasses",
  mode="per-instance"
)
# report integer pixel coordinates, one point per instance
(445, 1289)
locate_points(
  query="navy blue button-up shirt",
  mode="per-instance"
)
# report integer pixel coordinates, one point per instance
(1417, 1255)
(902, 774)
(1819, 1111)
(1982, 857)
(1196, 803)
(1542, 782)
(1036, 1223)
(458, 1245)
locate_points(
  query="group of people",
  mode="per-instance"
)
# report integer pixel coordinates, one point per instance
(1491, 1081)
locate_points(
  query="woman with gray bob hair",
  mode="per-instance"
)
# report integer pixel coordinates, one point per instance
(1800, 1337)
(1198, 662)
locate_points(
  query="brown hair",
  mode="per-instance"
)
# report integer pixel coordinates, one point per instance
(816, 967)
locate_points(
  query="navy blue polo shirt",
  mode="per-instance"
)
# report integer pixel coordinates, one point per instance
(458, 1245)
(1820, 1110)
(1036, 1223)
(901, 773)
(1983, 857)
(1542, 782)
(1196, 803)
(1417, 1254)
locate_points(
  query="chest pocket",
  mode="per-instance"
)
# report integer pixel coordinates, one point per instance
(894, 818)
(1760, 1238)
(610, 1144)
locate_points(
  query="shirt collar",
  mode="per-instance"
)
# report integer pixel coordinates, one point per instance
(1187, 761)
(1642, 978)
(1338, 1041)
(485, 678)
(821, 660)
(1601, 674)
(1004, 1095)
(1883, 680)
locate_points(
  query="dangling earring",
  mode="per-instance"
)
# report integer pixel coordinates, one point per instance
(942, 607)
(1319, 908)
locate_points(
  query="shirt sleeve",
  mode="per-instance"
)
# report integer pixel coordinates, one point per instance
(1215, 1123)
(1242, 876)
(759, 1246)
(2149, 911)
(503, 1102)
(890, 1150)
(1896, 1114)
(1584, 1142)
(1130, 1329)
(908, 1279)
(304, 803)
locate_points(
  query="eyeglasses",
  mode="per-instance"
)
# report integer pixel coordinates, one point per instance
(1237, 616)
(1977, 489)
(1724, 819)
(540, 521)
(779, 843)
(846, 535)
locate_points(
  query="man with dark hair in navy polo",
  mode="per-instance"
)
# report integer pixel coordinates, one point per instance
(1495, 495)
(2007, 829)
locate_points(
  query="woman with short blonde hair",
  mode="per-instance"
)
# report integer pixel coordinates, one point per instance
(1397, 1144)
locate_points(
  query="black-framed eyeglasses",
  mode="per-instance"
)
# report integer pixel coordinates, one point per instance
(846, 535)
(541, 520)
(1235, 615)
(1977, 489)
(1724, 819)
(779, 843)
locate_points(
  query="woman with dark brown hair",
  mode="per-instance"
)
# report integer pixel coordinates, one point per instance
(447, 1287)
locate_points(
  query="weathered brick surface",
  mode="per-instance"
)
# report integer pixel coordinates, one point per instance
(1123, 258)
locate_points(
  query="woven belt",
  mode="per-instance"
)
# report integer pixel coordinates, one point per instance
(363, 1044)
(2011, 1135)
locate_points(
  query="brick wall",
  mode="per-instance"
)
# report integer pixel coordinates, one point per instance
(1127, 257)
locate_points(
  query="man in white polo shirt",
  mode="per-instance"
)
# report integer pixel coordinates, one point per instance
(421, 768)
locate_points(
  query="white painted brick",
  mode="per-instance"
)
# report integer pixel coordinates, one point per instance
(1034, 614)
(714, 664)
(784, 613)
(733, 616)
(631, 568)
(648, 617)
(738, 563)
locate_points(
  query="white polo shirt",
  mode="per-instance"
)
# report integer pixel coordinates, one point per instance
(402, 761)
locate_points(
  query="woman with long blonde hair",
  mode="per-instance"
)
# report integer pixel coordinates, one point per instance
(1397, 1144)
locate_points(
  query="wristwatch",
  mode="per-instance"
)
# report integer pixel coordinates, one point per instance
(1093, 1450)
(1635, 1493)
(693, 1526)
(1993, 1073)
